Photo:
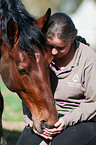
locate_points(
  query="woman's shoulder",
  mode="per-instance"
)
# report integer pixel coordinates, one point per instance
(87, 52)
(85, 55)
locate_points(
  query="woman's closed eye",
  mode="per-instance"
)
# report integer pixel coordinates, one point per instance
(56, 47)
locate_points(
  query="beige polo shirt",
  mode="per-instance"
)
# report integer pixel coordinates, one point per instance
(75, 93)
(74, 88)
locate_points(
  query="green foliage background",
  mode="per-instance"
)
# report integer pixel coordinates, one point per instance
(38, 7)
(12, 105)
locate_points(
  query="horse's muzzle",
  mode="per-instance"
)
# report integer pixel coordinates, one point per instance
(44, 124)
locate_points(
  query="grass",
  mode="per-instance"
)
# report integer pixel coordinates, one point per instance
(13, 122)
(12, 105)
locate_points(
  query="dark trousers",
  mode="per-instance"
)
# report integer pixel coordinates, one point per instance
(81, 134)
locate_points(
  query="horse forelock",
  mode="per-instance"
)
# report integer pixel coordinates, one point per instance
(29, 33)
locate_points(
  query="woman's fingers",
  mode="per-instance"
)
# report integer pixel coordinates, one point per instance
(52, 131)
(31, 124)
(43, 135)
(58, 127)
(59, 122)
(49, 133)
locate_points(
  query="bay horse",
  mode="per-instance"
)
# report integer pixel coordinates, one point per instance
(25, 59)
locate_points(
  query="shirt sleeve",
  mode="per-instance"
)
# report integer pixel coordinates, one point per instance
(86, 109)
(27, 115)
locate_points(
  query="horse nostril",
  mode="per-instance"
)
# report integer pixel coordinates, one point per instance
(44, 124)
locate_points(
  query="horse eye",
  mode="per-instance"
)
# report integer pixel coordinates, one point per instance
(22, 71)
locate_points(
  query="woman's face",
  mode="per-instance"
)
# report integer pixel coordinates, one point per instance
(59, 48)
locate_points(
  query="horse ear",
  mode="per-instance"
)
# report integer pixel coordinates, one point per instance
(43, 21)
(12, 31)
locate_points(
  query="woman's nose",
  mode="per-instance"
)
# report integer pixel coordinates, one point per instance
(54, 51)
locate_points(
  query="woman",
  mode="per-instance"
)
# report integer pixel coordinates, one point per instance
(73, 81)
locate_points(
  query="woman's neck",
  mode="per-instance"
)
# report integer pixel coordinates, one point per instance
(66, 59)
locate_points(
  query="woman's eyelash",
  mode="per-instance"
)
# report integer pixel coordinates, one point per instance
(50, 46)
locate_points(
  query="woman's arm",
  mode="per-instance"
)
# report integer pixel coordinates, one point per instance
(86, 109)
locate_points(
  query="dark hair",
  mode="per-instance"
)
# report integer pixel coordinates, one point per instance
(81, 39)
(29, 33)
(61, 24)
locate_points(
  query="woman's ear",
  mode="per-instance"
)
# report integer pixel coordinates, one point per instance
(43, 21)
(12, 31)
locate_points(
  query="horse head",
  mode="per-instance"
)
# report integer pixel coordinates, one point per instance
(27, 74)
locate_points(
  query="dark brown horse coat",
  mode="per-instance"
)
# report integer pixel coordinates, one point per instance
(25, 61)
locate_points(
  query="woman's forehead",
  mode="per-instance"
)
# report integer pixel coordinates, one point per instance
(56, 42)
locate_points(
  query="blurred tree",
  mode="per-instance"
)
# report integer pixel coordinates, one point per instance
(38, 7)
(69, 6)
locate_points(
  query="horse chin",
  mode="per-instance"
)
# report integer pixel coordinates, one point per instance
(38, 128)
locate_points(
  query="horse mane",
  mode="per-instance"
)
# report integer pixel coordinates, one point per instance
(29, 33)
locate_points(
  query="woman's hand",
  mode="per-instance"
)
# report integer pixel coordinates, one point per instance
(35, 131)
(58, 127)
(43, 135)
(50, 133)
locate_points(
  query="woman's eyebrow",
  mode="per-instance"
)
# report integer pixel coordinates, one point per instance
(58, 47)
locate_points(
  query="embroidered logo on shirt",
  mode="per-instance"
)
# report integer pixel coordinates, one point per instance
(75, 78)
